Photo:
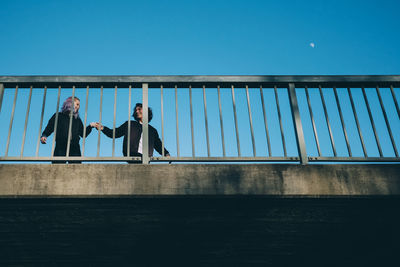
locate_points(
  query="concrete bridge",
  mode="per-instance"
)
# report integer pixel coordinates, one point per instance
(192, 214)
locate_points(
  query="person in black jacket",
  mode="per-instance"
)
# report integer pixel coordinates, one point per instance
(63, 127)
(135, 144)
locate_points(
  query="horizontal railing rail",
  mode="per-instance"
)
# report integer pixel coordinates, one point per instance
(203, 80)
(297, 119)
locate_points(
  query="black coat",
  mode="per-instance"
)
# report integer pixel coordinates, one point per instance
(136, 132)
(62, 134)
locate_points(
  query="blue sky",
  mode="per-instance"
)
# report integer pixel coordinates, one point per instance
(199, 37)
(203, 38)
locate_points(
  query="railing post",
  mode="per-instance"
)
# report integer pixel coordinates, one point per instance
(1, 94)
(145, 125)
(301, 145)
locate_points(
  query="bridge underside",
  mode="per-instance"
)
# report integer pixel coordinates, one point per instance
(326, 215)
(189, 231)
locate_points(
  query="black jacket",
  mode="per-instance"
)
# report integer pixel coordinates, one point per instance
(62, 134)
(136, 132)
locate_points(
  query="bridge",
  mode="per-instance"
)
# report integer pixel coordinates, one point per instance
(275, 170)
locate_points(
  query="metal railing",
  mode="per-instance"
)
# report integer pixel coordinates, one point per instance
(325, 118)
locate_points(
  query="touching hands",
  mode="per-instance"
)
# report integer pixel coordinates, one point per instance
(97, 125)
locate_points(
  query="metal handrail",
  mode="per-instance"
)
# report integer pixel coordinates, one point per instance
(184, 81)
(260, 82)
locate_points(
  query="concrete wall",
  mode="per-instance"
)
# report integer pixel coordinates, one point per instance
(193, 179)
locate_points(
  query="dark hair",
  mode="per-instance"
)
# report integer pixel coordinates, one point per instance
(150, 112)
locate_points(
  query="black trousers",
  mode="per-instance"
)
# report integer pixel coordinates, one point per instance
(61, 151)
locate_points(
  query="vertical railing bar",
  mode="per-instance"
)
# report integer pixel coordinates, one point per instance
(100, 113)
(357, 122)
(206, 120)
(395, 101)
(41, 121)
(70, 121)
(221, 122)
(26, 121)
(177, 123)
(280, 120)
(84, 124)
(327, 121)
(191, 121)
(145, 125)
(251, 121)
(265, 122)
(56, 121)
(162, 120)
(11, 121)
(387, 122)
(313, 121)
(342, 121)
(236, 123)
(301, 144)
(372, 121)
(128, 143)
(1, 94)
(115, 115)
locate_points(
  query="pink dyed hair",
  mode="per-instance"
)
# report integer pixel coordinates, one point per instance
(67, 105)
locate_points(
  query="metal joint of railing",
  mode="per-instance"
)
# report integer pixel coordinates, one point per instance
(145, 125)
(1, 94)
(301, 145)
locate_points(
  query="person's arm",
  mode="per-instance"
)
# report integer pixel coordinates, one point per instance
(48, 130)
(120, 131)
(158, 145)
(88, 129)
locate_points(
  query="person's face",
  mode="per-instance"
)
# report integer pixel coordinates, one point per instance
(139, 114)
(77, 105)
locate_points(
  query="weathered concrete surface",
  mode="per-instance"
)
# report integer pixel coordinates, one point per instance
(192, 179)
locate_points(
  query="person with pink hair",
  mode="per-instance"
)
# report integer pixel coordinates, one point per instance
(63, 128)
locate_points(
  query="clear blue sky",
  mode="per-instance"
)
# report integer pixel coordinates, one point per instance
(199, 37)
(203, 38)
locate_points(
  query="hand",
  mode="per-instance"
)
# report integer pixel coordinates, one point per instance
(43, 139)
(99, 126)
